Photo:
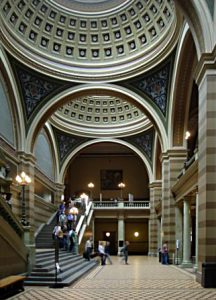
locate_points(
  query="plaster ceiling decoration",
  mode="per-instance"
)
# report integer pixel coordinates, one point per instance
(89, 40)
(100, 115)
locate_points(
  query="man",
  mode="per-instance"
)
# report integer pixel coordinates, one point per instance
(165, 254)
(89, 247)
(107, 251)
(124, 250)
(102, 253)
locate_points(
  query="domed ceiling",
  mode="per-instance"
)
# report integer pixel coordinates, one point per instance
(100, 115)
(96, 40)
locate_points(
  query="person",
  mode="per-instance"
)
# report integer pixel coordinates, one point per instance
(89, 247)
(124, 250)
(165, 253)
(70, 220)
(61, 210)
(107, 251)
(56, 230)
(57, 233)
(102, 253)
(65, 237)
(8, 199)
(71, 238)
(63, 219)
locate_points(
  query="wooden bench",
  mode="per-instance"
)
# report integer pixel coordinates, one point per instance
(11, 285)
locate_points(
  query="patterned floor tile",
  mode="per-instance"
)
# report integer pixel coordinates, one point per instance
(144, 278)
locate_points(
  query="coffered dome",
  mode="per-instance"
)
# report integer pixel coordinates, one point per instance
(89, 40)
(101, 115)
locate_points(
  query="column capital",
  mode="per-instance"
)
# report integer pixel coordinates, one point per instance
(178, 152)
(207, 63)
(26, 158)
(59, 186)
(155, 184)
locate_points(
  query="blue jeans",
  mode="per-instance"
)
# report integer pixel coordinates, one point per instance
(165, 258)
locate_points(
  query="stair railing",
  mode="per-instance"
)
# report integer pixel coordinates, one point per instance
(84, 221)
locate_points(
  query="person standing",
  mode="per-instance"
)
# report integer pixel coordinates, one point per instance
(124, 250)
(89, 247)
(165, 253)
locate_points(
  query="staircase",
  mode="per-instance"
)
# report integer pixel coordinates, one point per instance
(44, 238)
(44, 273)
(72, 266)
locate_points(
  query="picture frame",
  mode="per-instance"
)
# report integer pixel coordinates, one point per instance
(110, 179)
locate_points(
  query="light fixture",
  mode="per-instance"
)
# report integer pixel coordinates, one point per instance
(136, 234)
(108, 234)
(121, 185)
(187, 135)
(91, 186)
(23, 179)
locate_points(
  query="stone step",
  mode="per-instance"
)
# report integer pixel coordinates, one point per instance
(65, 278)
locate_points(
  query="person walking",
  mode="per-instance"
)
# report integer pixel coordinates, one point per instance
(107, 252)
(102, 253)
(124, 250)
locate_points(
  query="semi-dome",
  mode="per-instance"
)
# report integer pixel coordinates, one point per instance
(100, 115)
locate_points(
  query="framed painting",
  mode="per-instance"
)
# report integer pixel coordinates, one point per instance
(110, 179)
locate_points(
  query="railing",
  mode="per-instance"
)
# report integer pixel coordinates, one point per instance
(9, 217)
(187, 164)
(121, 205)
(83, 222)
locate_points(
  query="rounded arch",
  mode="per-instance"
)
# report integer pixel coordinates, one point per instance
(124, 143)
(201, 24)
(51, 142)
(16, 109)
(50, 107)
(181, 88)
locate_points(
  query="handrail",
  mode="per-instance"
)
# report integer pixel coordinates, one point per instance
(88, 208)
(9, 217)
(80, 222)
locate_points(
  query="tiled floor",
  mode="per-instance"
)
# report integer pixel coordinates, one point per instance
(143, 278)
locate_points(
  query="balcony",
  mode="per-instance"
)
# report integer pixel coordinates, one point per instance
(126, 205)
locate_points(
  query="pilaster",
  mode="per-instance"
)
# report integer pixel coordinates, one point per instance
(58, 193)
(172, 163)
(155, 196)
(121, 232)
(207, 166)
(186, 263)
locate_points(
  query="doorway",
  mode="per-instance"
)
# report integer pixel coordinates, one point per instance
(112, 239)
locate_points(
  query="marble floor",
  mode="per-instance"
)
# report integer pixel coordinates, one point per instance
(143, 278)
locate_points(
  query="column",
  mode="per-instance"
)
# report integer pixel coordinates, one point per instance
(179, 233)
(121, 231)
(172, 163)
(197, 237)
(186, 263)
(93, 232)
(206, 170)
(155, 196)
(159, 233)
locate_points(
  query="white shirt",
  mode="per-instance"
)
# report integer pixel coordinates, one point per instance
(88, 244)
(101, 249)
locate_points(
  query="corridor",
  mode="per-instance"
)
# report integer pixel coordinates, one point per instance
(143, 278)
